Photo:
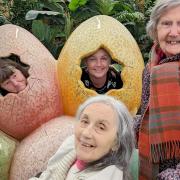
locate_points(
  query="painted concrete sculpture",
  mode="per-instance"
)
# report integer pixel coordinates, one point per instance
(22, 113)
(7, 149)
(33, 122)
(35, 150)
(100, 31)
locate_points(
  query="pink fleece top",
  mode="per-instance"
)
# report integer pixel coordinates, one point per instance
(80, 164)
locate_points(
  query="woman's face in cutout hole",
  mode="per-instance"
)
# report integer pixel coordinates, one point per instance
(15, 83)
(98, 64)
(13, 74)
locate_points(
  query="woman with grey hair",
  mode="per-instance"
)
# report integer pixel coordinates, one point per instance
(101, 147)
(159, 132)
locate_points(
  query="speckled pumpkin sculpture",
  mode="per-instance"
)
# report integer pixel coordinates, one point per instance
(100, 31)
(39, 102)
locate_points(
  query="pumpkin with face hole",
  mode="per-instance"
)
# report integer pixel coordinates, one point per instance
(105, 32)
(39, 102)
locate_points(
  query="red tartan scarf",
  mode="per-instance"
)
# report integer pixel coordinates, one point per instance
(159, 137)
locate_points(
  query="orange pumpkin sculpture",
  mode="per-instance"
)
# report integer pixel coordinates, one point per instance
(100, 31)
(40, 103)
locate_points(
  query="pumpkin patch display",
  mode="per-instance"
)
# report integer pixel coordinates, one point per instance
(33, 152)
(100, 32)
(39, 102)
(7, 149)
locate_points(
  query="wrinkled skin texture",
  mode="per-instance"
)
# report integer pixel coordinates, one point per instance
(95, 132)
(168, 32)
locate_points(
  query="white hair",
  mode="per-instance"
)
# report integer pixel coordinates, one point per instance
(158, 10)
(125, 135)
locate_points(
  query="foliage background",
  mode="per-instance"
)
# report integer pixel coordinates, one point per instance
(52, 21)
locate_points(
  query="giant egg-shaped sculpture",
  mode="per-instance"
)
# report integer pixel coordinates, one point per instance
(33, 152)
(7, 149)
(39, 102)
(106, 32)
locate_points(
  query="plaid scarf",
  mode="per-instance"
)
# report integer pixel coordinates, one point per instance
(159, 137)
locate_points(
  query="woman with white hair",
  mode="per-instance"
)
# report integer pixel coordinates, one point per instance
(101, 147)
(159, 133)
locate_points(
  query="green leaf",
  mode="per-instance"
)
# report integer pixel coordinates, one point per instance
(39, 29)
(54, 5)
(3, 20)
(68, 26)
(56, 1)
(105, 6)
(32, 14)
(45, 33)
(75, 4)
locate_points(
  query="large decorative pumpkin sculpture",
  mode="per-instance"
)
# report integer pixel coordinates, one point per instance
(106, 32)
(40, 101)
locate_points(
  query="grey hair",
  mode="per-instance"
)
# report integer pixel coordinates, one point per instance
(125, 135)
(158, 10)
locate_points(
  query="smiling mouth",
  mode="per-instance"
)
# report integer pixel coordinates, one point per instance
(173, 42)
(99, 70)
(86, 145)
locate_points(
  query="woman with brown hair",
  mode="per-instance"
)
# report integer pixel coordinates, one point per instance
(98, 74)
(13, 76)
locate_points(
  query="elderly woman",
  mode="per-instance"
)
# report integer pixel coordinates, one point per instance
(159, 133)
(98, 73)
(101, 147)
(13, 76)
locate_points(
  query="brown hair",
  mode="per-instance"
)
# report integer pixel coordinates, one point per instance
(7, 67)
(83, 62)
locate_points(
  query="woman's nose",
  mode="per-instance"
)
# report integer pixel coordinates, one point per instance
(14, 82)
(99, 62)
(175, 30)
(87, 132)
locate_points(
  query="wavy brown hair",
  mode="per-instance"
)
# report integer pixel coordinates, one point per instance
(7, 67)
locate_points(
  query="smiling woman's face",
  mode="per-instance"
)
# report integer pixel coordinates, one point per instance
(98, 64)
(15, 83)
(168, 31)
(95, 132)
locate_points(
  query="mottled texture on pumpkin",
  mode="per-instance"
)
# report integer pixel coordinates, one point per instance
(100, 31)
(39, 102)
(34, 151)
(7, 148)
